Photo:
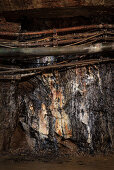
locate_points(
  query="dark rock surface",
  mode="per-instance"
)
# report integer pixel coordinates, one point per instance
(12, 5)
(64, 112)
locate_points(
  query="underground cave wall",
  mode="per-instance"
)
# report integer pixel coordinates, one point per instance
(69, 110)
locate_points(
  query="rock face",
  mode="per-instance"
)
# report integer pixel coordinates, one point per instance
(67, 111)
(8, 114)
(12, 5)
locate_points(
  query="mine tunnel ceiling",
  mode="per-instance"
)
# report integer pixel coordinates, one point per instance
(48, 50)
(42, 36)
(12, 5)
(16, 10)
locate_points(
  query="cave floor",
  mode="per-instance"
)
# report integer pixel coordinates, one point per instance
(79, 163)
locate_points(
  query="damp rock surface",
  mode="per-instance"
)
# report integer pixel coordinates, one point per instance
(69, 111)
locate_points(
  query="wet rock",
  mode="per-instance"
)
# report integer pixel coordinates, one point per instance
(68, 111)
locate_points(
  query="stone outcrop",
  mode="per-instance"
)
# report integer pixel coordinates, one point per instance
(69, 111)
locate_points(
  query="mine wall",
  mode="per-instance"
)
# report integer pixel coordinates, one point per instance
(61, 111)
(69, 112)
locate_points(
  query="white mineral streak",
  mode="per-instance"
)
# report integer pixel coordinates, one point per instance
(100, 82)
(84, 118)
(80, 86)
(75, 86)
(43, 122)
(89, 77)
